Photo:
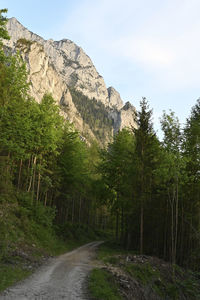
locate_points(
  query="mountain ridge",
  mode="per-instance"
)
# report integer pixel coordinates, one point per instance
(57, 66)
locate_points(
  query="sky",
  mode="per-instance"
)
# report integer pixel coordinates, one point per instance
(142, 48)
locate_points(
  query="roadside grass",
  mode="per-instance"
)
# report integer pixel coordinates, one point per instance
(182, 285)
(144, 273)
(10, 275)
(102, 286)
(152, 274)
(150, 277)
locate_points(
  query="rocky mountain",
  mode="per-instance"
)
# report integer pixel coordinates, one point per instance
(63, 69)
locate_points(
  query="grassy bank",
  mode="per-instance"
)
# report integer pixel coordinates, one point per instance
(140, 277)
(103, 286)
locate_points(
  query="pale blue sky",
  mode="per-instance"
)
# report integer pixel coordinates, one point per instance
(140, 47)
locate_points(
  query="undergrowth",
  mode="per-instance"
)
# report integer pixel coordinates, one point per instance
(107, 252)
(103, 286)
(154, 276)
(28, 235)
(10, 275)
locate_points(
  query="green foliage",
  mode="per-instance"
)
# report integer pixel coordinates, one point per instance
(172, 133)
(23, 221)
(103, 286)
(3, 30)
(78, 232)
(41, 215)
(109, 248)
(24, 43)
(110, 251)
(184, 286)
(93, 113)
(13, 80)
(10, 275)
(144, 273)
(155, 278)
(116, 170)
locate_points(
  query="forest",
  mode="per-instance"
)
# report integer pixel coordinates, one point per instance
(142, 190)
(94, 114)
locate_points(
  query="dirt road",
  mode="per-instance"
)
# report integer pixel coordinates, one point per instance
(62, 278)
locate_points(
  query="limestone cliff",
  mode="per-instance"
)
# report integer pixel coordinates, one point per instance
(57, 66)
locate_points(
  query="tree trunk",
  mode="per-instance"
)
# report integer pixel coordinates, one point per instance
(176, 228)
(45, 199)
(38, 187)
(31, 177)
(7, 169)
(34, 172)
(73, 210)
(117, 226)
(19, 175)
(141, 227)
(26, 184)
(122, 224)
(79, 215)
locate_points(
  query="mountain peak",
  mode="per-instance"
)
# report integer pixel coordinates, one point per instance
(64, 64)
(114, 98)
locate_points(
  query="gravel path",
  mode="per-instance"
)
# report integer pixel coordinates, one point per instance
(63, 277)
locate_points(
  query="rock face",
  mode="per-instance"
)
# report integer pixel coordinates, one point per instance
(115, 100)
(56, 66)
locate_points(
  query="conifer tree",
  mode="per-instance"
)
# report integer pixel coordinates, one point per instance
(146, 160)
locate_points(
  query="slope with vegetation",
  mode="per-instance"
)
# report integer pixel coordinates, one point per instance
(95, 114)
(54, 187)
(124, 274)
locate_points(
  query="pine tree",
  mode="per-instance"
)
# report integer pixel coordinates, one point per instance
(145, 159)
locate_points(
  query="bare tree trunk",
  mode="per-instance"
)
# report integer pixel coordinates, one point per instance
(19, 175)
(26, 184)
(172, 231)
(66, 213)
(45, 199)
(176, 227)
(79, 217)
(165, 233)
(141, 227)
(38, 183)
(172, 201)
(117, 226)
(181, 234)
(31, 177)
(7, 169)
(122, 224)
(73, 210)
(38, 187)
(34, 172)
